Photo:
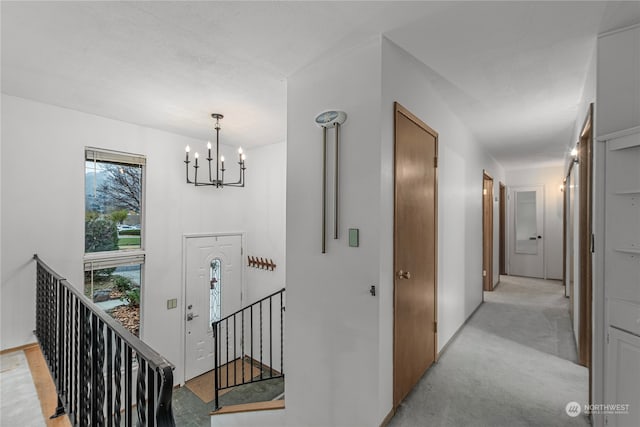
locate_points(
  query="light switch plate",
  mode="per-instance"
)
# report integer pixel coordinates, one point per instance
(354, 237)
(172, 303)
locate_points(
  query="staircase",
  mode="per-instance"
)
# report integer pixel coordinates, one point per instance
(248, 357)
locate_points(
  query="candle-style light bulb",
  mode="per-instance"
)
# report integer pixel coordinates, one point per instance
(240, 150)
(187, 148)
(222, 159)
(196, 155)
(186, 155)
(208, 145)
(574, 152)
(243, 157)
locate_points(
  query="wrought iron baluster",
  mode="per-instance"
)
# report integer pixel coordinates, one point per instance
(128, 383)
(141, 392)
(60, 346)
(226, 330)
(151, 392)
(261, 365)
(242, 345)
(235, 368)
(164, 413)
(281, 334)
(270, 337)
(216, 366)
(77, 378)
(117, 367)
(109, 396)
(85, 377)
(97, 385)
(69, 348)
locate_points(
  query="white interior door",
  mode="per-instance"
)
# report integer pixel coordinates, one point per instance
(213, 267)
(527, 244)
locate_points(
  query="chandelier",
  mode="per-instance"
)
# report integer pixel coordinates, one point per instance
(218, 179)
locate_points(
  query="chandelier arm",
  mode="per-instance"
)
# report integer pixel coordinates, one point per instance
(209, 160)
(218, 180)
(187, 171)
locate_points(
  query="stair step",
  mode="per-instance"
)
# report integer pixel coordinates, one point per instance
(250, 407)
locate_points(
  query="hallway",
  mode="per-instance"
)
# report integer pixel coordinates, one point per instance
(512, 364)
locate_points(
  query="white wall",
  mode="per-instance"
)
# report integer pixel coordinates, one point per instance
(331, 344)
(43, 211)
(550, 178)
(264, 217)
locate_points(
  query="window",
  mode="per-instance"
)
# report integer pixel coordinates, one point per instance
(114, 233)
(214, 292)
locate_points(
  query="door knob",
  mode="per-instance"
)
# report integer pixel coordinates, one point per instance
(191, 316)
(403, 274)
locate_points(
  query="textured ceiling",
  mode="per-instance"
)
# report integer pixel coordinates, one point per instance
(513, 71)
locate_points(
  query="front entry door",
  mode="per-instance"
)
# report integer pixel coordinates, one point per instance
(527, 244)
(213, 268)
(415, 255)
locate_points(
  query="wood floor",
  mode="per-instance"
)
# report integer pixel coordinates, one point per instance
(29, 390)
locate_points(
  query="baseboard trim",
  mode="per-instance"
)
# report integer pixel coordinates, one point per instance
(453, 338)
(19, 348)
(387, 419)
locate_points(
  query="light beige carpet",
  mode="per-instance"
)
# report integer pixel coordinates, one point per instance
(202, 386)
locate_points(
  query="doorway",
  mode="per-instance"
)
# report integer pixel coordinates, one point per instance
(526, 253)
(487, 232)
(213, 290)
(502, 264)
(415, 251)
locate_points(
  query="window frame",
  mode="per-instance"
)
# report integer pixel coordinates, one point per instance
(93, 261)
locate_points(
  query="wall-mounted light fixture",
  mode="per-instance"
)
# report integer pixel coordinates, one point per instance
(218, 181)
(574, 153)
(330, 119)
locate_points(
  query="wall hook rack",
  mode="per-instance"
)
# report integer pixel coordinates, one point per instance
(261, 263)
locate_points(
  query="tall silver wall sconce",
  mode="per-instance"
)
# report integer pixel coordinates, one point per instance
(326, 120)
(218, 181)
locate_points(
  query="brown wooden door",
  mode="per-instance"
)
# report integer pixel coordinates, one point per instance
(502, 225)
(415, 251)
(487, 232)
(585, 165)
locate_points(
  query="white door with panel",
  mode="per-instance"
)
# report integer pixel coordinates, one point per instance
(526, 255)
(622, 276)
(623, 378)
(213, 290)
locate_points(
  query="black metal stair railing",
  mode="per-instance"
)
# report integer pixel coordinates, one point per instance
(93, 359)
(252, 337)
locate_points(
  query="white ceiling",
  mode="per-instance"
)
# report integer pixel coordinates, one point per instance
(513, 71)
